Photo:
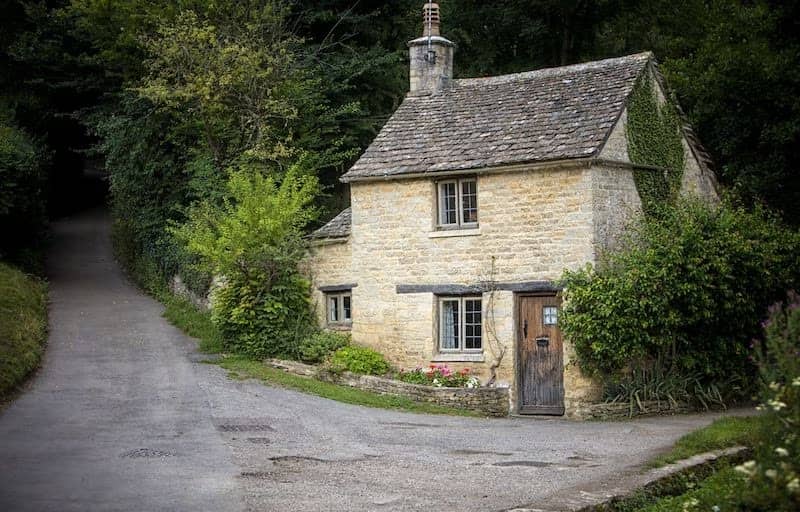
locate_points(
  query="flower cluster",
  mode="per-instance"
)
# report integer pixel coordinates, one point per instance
(440, 375)
(774, 473)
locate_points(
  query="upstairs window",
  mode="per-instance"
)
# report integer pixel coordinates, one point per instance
(457, 203)
(340, 309)
(460, 325)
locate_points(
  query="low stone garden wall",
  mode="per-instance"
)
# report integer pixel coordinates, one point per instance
(487, 401)
(622, 410)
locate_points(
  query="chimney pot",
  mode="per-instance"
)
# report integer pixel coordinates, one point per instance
(430, 20)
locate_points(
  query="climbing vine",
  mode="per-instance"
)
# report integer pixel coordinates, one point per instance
(654, 139)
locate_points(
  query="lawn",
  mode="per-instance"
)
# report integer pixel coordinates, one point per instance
(723, 433)
(23, 326)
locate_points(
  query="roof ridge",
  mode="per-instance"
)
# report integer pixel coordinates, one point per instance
(553, 71)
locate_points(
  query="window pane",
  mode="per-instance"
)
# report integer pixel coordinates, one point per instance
(333, 309)
(449, 335)
(346, 314)
(472, 324)
(469, 201)
(550, 315)
(447, 204)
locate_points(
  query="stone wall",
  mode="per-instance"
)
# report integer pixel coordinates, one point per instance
(486, 401)
(621, 411)
(329, 263)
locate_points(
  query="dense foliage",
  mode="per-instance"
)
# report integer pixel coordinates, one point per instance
(684, 295)
(654, 140)
(22, 205)
(253, 241)
(773, 477)
(317, 347)
(361, 360)
(23, 325)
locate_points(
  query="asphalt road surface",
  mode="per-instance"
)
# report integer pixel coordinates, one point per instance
(125, 416)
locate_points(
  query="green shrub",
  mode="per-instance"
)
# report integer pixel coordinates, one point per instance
(686, 291)
(22, 201)
(360, 360)
(23, 325)
(773, 477)
(254, 241)
(317, 347)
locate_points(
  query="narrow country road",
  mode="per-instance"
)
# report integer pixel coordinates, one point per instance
(125, 416)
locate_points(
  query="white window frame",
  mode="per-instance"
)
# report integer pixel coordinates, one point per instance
(340, 310)
(460, 223)
(462, 319)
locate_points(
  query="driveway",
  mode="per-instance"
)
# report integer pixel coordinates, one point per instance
(124, 415)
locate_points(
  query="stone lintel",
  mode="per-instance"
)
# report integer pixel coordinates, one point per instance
(337, 287)
(462, 289)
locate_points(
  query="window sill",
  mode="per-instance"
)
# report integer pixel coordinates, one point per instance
(339, 327)
(457, 358)
(444, 233)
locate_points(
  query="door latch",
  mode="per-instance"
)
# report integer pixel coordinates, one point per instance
(525, 330)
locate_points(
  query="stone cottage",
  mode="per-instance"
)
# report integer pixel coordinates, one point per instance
(468, 206)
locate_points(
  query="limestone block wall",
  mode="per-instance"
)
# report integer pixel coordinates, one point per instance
(329, 263)
(532, 225)
(615, 201)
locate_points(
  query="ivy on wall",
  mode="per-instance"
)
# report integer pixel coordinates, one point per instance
(654, 139)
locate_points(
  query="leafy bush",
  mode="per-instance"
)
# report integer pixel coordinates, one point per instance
(439, 375)
(657, 384)
(686, 290)
(317, 347)
(22, 203)
(254, 241)
(360, 360)
(773, 477)
(23, 325)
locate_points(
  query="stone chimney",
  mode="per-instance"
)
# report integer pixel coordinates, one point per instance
(431, 56)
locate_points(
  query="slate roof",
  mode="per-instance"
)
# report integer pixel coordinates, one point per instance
(549, 114)
(337, 227)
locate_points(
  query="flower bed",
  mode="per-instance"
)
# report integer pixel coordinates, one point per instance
(486, 401)
(439, 376)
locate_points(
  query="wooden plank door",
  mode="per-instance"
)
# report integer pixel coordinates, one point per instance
(541, 356)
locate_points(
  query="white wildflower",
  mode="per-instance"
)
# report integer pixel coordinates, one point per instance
(783, 452)
(776, 405)
(748, 468)
(796, 382)
(715, 508)
(690, 504)
(793, 486)
(771, 474)
(774, 386)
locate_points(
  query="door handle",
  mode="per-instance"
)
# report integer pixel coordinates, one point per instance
(525, 330)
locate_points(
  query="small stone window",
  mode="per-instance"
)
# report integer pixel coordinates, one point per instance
(339, 308)
(457, 203)
(460, 324)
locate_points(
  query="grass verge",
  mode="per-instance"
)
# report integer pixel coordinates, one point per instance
(720, 491)
(197, 324)
(23, 326)
(194, 322)
(723, 433)
(242, 367)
